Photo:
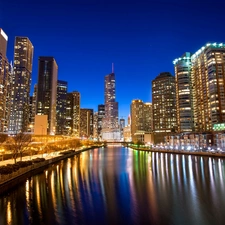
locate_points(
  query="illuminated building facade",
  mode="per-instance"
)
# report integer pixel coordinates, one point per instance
(127, 130)
(163, 106)
(122, 125)
(61, 107)
(184, 96)
(141, 119)
(21, 82)
(101, 114)
(47, 91)
(73, 113)
(208, 79)
(86, 123)
(110, 128)
(5, 83)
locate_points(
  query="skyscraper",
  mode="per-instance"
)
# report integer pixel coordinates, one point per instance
(22, 68)
(110, 128)
(61, 107)
(141, 119)
(208, 79)
(86, 123)
(5, 83)
(3, 43)
(163, 106)
(184, 96)
(122, 125)
(101, 114)
(73, 113)
(47, 90)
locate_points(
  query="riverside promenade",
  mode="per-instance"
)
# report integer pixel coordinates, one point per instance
(197, 153)
(8, 181)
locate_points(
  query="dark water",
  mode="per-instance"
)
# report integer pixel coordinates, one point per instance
(121, 186)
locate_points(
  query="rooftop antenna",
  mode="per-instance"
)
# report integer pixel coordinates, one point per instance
(112, 67)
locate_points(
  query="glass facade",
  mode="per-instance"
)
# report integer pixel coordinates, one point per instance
(21, 82)
(61, 107)
(185, 120)
(47, 91)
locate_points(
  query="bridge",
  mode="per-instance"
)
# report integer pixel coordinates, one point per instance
(124, 143)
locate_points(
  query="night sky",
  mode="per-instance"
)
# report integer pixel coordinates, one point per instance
(142, 38)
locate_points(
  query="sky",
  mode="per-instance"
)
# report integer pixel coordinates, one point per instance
(85, 37)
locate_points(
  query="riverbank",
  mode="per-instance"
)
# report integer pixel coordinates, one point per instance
(180, 152)
(10, 180)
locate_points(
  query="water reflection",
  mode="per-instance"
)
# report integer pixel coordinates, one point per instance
(121, 186)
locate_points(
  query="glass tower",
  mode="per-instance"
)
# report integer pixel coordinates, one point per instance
(21, 82)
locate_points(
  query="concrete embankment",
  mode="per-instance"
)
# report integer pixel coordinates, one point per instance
(180, 152)
(9, 181)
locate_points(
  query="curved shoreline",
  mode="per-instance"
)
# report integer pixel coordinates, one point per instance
(24, 173)
(180, 152)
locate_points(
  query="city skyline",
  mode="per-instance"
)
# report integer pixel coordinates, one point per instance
(142, 40)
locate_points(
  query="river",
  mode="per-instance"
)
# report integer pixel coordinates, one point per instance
(118, 185)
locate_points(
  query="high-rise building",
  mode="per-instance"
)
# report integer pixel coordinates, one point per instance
(21, 82)
(73, 113)
(101, 114)
(122, 125)
(47, 90)
(163, 106)
(184, 96)
(110, 128)
(127, 130)
(95, 126)
(141, 119)
(32, 113)
(5, 83)
(61, 107)
(3, 43)
(208, 79)
(86, 123)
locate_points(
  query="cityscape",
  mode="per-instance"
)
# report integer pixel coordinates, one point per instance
(187, 110)
(112, 112)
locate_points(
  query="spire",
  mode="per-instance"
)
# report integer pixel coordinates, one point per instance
(112, 67)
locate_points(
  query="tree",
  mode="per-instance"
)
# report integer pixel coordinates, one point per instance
(18, 144)
(74, 143)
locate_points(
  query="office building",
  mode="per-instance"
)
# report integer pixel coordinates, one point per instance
(47, 91)
(101, 114)
(163, 106)
(86, 123)
(21, 82)
(110, 127)
(61, 107)
(141, 120)
(122, 125)
(5, 83)
(73, 114)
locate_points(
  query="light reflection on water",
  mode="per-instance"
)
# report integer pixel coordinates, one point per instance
(121, 186)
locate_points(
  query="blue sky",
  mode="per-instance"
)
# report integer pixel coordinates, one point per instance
(142, 38)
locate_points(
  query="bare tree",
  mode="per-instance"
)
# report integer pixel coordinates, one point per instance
(18, 144)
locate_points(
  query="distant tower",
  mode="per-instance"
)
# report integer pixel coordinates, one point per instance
(101, 114)
(23, 59)
(122, 125)
(47, 90)
(86, 123)
(61, 107)
(73, 114)
(110, 128)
